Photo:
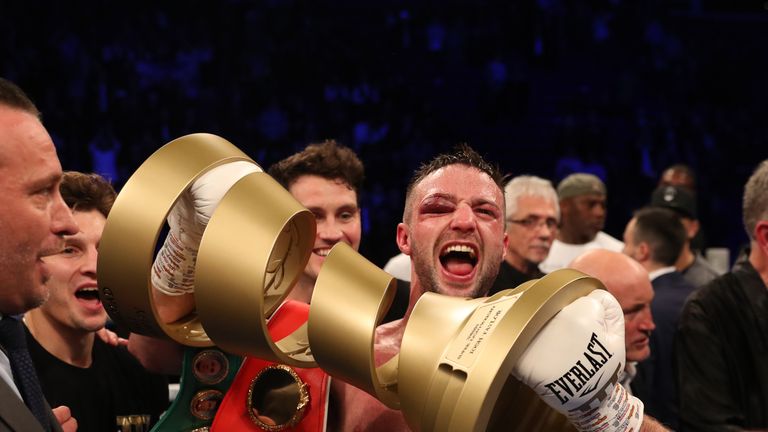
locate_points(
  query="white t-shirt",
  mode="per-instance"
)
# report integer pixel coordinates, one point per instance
(561, 254)
(399, 266)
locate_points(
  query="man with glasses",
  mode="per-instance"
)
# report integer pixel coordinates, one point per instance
(533, 213)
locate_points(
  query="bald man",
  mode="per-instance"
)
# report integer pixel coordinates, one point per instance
(628, 281)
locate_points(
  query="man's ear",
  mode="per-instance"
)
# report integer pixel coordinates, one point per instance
(691, 226)
(761, 235)
(403, 238)
(506, 245)
(642, 252)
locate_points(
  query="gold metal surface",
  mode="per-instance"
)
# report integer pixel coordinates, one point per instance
(254, 248)
(301, 393)
(351, 296)
(210, 366)
(127, 246)
(434, 324)
(438, 394)
(205, 403)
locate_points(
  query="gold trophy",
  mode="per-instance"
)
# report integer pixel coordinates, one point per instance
(453, 372)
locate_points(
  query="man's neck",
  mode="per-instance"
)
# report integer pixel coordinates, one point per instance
(659, 270)
(303, 289)
(416, 292)
(74, 347)
(570, 237)
(685, 259)
(389, 336)
(520, 264)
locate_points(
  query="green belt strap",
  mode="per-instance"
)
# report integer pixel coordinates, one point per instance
(206, 376)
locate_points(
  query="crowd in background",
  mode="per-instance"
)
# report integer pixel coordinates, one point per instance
(547, 87)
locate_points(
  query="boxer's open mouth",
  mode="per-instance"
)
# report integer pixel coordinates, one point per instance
(459, 259)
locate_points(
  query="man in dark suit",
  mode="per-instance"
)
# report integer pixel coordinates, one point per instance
(33, 221)
(655, 237)
(720, 344)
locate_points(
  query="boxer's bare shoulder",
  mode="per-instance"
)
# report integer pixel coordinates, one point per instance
(357, 411)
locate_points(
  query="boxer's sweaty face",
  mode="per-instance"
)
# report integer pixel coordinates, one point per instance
(456, 231)
(334, 205)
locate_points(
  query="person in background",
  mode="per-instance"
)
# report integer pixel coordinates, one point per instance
(696, 270)
(533, 213)
(679, 175)
(654, 237)
(33, 221)
(327, 178)
(582, 210)
(102, 384)
(682, 176)
(628, 282)
(722, 337)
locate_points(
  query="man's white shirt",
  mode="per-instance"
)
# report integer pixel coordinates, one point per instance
(561, 254)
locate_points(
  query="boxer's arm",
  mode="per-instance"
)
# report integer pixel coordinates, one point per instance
(173, 271)
(651, 425)
(158, 356)
(172, 308)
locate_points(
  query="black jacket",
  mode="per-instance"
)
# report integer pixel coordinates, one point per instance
(721, 351)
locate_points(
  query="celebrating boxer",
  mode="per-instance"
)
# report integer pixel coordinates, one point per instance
(453, 230)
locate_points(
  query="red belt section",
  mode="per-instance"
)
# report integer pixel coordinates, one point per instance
(233, 412)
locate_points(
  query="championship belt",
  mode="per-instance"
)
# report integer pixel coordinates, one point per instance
(453, 372)
(206, 375)
(269, 396)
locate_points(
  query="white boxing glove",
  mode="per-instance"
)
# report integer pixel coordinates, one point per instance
(173, 272)
(575, 362)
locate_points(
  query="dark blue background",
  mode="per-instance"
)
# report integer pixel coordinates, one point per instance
(619, 88)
